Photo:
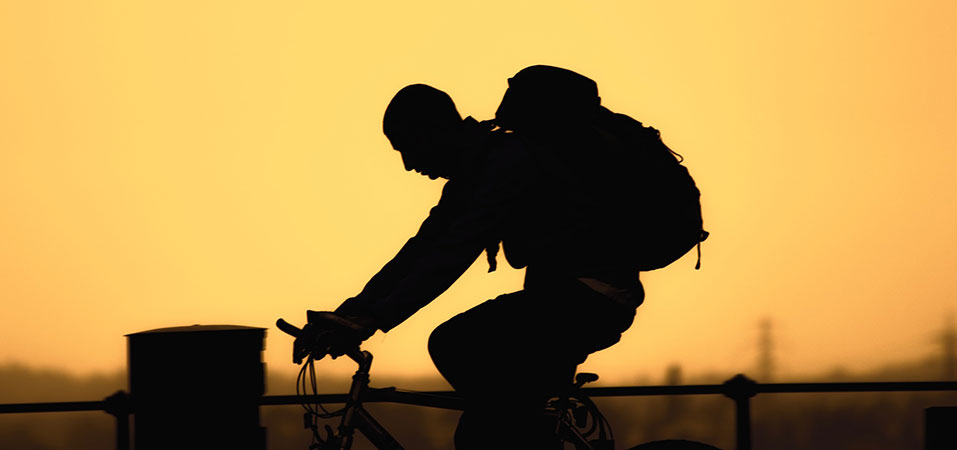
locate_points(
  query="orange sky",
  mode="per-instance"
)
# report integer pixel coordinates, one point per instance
(172, 163)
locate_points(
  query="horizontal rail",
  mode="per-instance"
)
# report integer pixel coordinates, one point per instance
(739, 388)
(772, 388)
(14, 408)
(117, 405)
(638, 391)
(436, 398)
(796, 388)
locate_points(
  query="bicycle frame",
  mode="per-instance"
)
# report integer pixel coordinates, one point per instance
(569, 415)
(356, 417)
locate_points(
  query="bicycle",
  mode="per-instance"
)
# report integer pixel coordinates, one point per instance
(575, 418)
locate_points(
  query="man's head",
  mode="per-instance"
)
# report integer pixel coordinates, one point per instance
(422, 123)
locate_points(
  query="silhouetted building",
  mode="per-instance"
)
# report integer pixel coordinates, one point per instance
(675, 405)
(766, 363)
(948, 341)
(673, 375)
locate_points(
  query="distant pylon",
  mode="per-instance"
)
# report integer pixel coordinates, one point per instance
(766, 363)
(948, 341)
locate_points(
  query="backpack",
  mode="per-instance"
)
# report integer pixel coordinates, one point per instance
(643, 203)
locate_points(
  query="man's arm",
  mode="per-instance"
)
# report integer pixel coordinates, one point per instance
(386, 279)
(502, 180)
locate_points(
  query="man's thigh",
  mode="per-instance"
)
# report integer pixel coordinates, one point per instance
(526, 337)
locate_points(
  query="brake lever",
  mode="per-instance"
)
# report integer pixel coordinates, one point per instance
(305, 338)
(321, 336)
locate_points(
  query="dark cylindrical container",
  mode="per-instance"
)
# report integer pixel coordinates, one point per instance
(197, 387)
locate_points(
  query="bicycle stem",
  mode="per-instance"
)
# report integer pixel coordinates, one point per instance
(360, 383)
(362, 358)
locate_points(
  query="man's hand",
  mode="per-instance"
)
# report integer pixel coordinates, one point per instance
(335, 334)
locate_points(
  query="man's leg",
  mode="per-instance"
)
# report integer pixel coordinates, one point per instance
(489, 354)
(509, 354)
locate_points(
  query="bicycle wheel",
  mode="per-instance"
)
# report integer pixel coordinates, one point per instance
(674, 444)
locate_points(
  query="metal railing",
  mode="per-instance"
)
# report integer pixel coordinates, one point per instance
(739, 388)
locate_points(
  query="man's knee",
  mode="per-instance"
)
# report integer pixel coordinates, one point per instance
(444, 344)
(449, 352)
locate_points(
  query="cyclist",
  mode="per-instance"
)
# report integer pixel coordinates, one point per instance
(522, 346)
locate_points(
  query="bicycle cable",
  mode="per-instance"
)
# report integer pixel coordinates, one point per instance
(588, 409)
(600, 421)
(302, 390)
(313, 415)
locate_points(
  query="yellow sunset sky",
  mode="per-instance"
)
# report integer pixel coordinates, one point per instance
(222, 162)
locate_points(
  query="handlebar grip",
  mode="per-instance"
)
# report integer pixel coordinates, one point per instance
(288, 328)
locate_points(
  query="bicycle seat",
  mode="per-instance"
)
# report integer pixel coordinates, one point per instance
(571, 389)
(585, 377)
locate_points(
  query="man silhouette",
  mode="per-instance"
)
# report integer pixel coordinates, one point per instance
(507, 355)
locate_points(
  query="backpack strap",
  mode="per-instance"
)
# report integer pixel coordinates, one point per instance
(704, 235)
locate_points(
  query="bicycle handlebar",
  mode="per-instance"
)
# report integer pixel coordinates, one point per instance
(317, 343)
(288, 328)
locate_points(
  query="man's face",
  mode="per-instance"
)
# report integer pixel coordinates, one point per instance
(429, 152)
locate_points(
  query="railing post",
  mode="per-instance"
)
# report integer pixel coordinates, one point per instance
(118, 405)
(939, 429)
(740, 389)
